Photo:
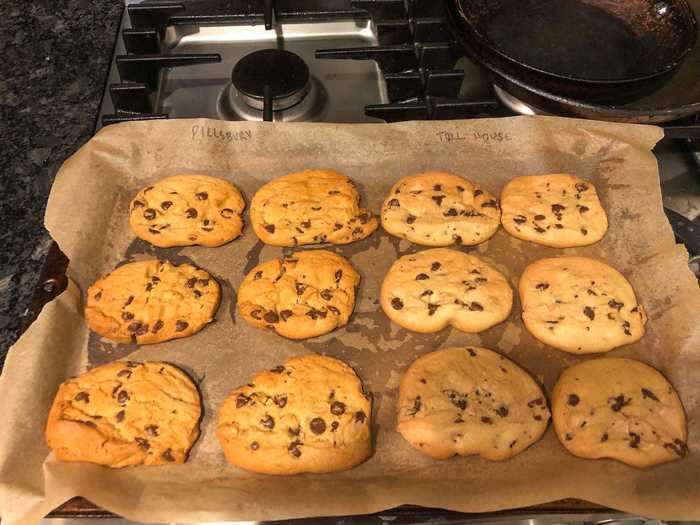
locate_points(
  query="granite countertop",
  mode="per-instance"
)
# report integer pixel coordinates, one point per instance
(55, 57)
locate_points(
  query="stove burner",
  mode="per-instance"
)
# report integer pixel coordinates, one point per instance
(284, 74)
(515, 104)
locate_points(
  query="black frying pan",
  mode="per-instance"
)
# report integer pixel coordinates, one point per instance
(588, 49)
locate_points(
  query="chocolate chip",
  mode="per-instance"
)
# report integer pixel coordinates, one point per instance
(181, 325)
(396, 303)
(122, 397)
(581, 187)
(489, 204)
(119, 416)
(519, 219)
(337, 408)
(584, 231)
(138, 204)
(583, 209)
(450, 213)
(135, 326)
(475, 307)
(271, 317)
(538, 401)
(226, 213)
(558, 208)
(678, 446)
(619, 402)
(327, 294)
(168, 455)
(539, 229)
(285, 314)
(124, 373)
(612, 303)
(191, 213)
(334, 192)
(422, 276)
(573, 400)
(268, 422)
(410, 219)
(127, 316)
(604, 437)
(457, 239)
(635, 439)
(337, 227)
(293, 448)
(435, 266)
(166, 204)
(502, 411)
(438, 199)
(293, 431)
(278, 369)
(317, 425)
(648, 394)
(338, 275)
(316, 314)
(588, 312)
(626, 327)
(152, 430)
(153, 231)
(202, 195)
(540, 217)
(456, 398)
(149, 214)
(82, 396)
(360, 416)
(471, 352)
(394, 203)
(334, 426)
(280, 400)
(432, 308)
(142, 443)
(542, 286)
(487, 420)
(270, 228)
(416, 407)
(568, 437)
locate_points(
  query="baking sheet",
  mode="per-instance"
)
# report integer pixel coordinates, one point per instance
(87, 215)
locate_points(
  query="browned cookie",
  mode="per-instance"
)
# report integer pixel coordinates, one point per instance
(310, 207)
(186, 210)
(151, 301)
(558, 210)
(620, 409)
(309, 415)
(125, 413)
(440, 209)
(470, 401)
(305, 294)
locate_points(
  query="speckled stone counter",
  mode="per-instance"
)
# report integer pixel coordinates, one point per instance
(53, 67)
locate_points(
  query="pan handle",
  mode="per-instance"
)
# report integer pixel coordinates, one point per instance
(682, 132)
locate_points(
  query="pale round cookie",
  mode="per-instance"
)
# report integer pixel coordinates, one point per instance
(188, 210)
(620, 409)
(125, 413)
(470, 401)
(429, 290)
(305, 294)
(436, 208)
(558, 210)
(309, 415)
(580, 305)
(151, 301)
(310, 207)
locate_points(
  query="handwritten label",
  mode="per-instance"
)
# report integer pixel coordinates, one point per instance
(208, 132)
(447, 137)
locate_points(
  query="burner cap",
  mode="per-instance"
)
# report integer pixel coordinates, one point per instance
(286, 74)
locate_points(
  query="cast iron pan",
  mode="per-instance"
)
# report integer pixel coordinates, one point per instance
(601, 50)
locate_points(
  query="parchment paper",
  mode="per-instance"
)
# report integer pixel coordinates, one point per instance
(87, 215)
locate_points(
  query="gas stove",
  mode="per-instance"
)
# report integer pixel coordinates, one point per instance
(336, 61)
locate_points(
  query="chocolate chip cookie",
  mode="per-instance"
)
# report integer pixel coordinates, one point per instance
(302, 295)
(308, 415)
(125, 413)
(310, 207)
(429, 290)
(470, 401)
(440, 209)
(580, 305)
(151, 301)
(187, 210)
(620, 409)
(558, 210)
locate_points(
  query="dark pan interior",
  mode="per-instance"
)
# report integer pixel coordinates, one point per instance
(596, 40)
